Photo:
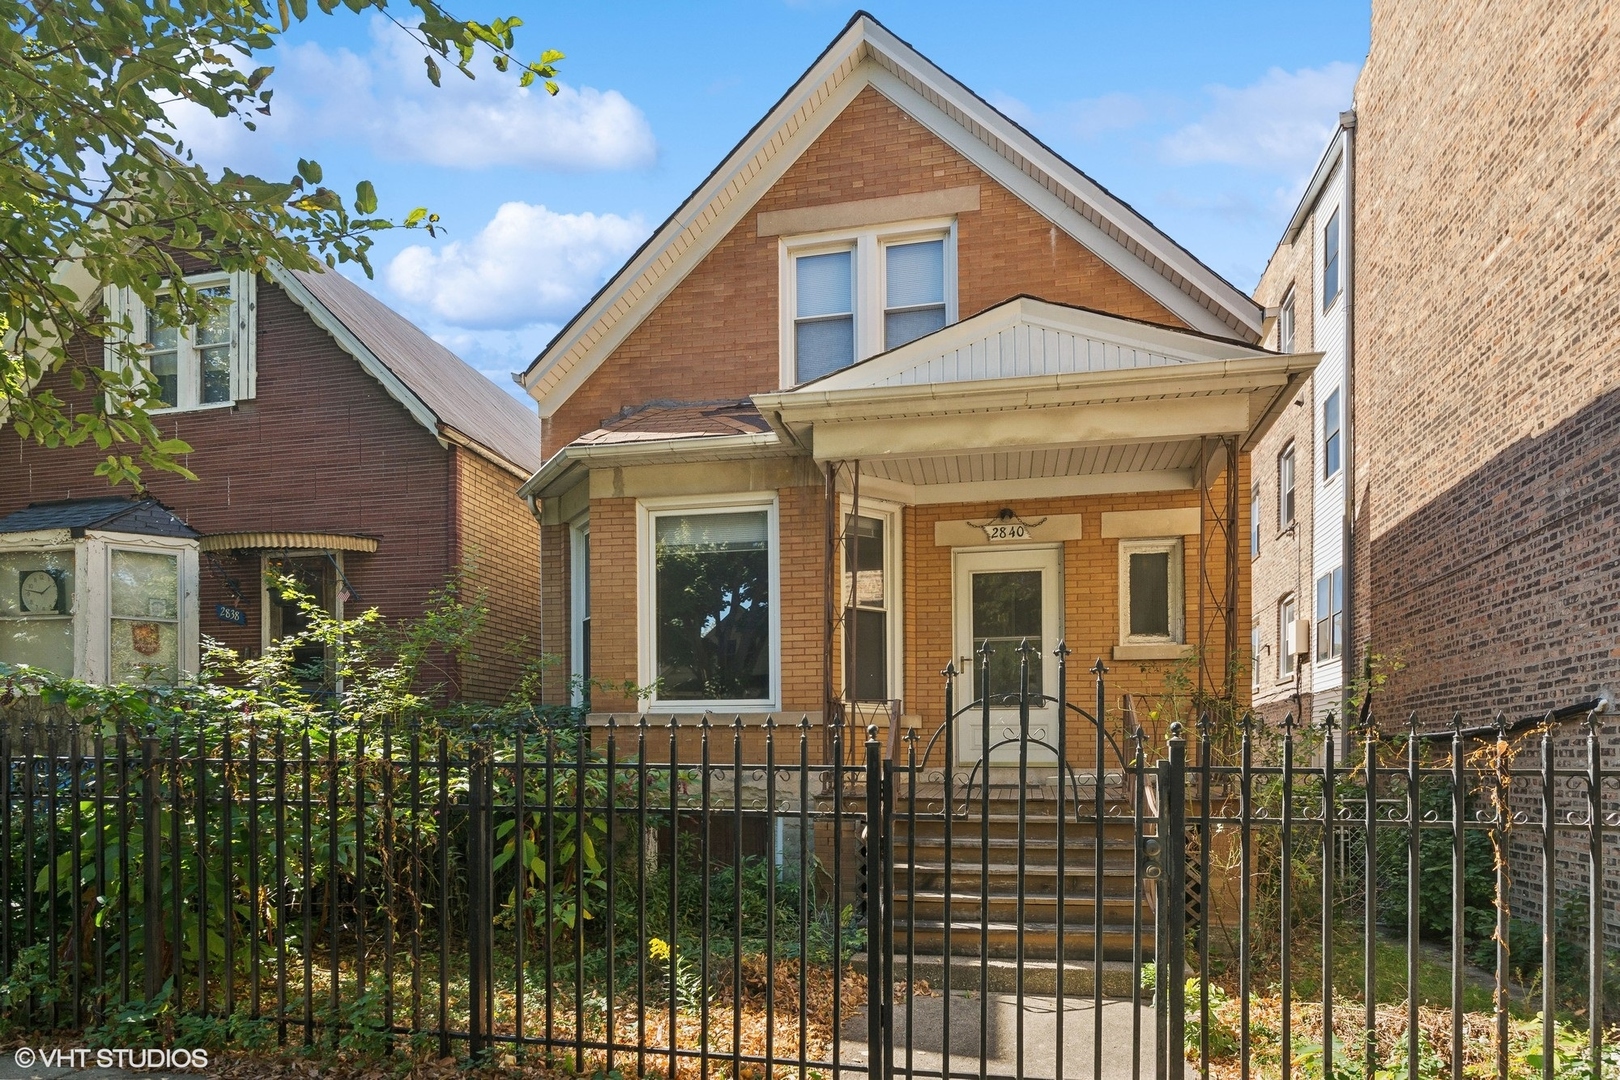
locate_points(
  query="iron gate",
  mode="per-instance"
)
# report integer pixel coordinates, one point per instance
(717, 898)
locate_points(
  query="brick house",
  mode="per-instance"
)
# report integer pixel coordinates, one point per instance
(894, 382)
(1296, 508)
(332, 440)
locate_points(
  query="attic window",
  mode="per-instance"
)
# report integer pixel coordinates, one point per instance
(852, 294)
(207, 363)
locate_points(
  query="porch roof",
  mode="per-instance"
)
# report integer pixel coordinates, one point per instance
(1034, 391)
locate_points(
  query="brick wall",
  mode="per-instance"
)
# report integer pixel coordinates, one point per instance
(498, 545)
(1488, 335)
(715, 336)
(1283, 565)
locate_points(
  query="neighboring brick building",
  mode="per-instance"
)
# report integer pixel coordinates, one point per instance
(1296, 525)
(1044, 400)
(331, 438)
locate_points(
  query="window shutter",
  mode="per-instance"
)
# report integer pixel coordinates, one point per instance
(122, 303)
(244, 335)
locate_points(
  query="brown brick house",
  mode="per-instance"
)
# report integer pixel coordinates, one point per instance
(332, 439)
(894, 382)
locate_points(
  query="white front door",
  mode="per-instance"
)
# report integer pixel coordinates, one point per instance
(1005, 597)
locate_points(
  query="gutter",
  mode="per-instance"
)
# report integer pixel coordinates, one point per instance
(1347, 547)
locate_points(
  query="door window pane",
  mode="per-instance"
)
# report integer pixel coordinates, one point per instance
(712, 591)
(145, 611)
(1150, 594)
(915, 286)
(316, 577)
(1006, 613)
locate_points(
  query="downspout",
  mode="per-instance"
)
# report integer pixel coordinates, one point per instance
(1347, 123)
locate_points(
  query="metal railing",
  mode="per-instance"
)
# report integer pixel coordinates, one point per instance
(663, 896)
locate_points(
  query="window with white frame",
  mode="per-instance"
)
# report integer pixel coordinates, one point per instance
(1152, 602)
(1332, 431)
(143, 616)
(710, 628)
(1285, 324)
(1254, 658)
(1330, 614)
(852, 294)
(36, 609)
(1254, 522)
(1285, 488)
(1330, 260)
(871, 600)
(210, 362)
(1286, 613)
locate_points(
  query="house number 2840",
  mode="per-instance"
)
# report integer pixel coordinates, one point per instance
(1011, 530)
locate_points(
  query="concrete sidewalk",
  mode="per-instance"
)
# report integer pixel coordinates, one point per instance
(927, 1038)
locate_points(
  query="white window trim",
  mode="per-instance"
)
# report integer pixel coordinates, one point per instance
(1291, 452)
(1288, 308)
(1335, 223)
(122, 303)
(1178, 591)
(1285, 627)
(1325, 615)
(1339, 431)
(1254, 658)
(578, 581)
(894, 602)
(19, 544)
(647, 510)
(867, 272)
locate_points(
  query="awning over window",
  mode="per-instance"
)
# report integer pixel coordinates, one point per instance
(287, 541)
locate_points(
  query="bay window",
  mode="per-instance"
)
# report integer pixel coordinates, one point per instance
(37, 608)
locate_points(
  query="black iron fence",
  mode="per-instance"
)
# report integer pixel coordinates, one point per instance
(663, 896)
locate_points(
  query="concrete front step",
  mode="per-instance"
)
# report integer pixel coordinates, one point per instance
(1040, 976)
(1040, 939)
(1119, 878)
(930, 907)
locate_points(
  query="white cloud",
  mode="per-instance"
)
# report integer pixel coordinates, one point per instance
(1277, 124)
(528, 265)
(385, 101)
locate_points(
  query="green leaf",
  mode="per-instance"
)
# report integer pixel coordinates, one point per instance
(432, 70)
(365, 197)
(310, 171)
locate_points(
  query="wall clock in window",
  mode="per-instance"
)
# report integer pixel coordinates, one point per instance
(40, 591)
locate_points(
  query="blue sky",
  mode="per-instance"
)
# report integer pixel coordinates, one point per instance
(1207, 118)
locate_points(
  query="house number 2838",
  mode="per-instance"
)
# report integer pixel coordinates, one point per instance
(1006, 530)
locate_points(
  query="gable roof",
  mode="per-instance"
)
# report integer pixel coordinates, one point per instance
(866, 54)
(114, 513)
(442, 391)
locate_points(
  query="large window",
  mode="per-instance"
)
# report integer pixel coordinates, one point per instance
(36, 609)
(1330, 261)
(1152, 606)
(1287, 611)
(712, 628)
(1285, 487)
(1332, 431)
(195, 365)
(1330, 614)
(849, 295)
